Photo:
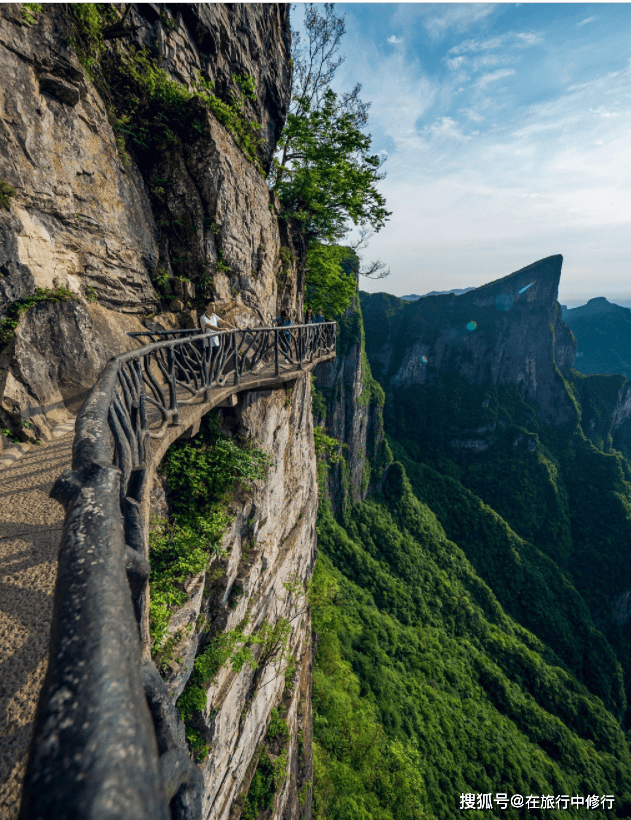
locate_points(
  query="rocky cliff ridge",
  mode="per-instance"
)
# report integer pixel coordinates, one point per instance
(349, 406)
(507, 332)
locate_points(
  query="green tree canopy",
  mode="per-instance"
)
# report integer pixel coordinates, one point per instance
(331, 281)
(329, 176)
(324, 173)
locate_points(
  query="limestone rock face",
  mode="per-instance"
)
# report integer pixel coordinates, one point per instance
(41, 387)
(227, 39)
(270, 554)
(352, 414)
(507, 332)
(79, 217)
(88, 217)
(621, 429)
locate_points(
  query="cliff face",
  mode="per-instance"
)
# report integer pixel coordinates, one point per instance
(119, 234)
(351, 411)
(603, 337)
(130, 233)
(259, 587)
(508, 332)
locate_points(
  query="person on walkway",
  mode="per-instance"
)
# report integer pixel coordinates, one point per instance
(308, 316)
(319, 317)
(285, 337)
(211, 323)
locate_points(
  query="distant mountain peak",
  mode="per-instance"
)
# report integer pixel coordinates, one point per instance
(603, 335)
(506, 332)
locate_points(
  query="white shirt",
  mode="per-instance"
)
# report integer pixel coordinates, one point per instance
(208, 322)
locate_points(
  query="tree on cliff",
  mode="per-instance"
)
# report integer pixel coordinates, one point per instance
(324, 173)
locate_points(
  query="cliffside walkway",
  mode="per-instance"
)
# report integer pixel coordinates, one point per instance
(105, 732)
(30, 529)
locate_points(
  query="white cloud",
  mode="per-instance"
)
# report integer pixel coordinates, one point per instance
(400, 92)
(587, 20)
(494, 76)
(445, 128)
(473, 114)
(602, 112)
(528, 38)
(395, 40)
(509, 40)
(439, 18)
(455, 63)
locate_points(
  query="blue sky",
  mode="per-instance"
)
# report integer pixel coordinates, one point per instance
(507, 130)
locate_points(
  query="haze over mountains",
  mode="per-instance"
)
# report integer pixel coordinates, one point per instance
(412, 297)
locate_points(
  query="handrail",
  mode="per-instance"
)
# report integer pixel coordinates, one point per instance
(108, 744)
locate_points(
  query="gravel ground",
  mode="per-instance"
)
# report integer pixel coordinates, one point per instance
(30, 529)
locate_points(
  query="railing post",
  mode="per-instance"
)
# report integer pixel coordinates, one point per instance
(236, 356)
(207, 365)
(276, 350)
(301, 347)
(172, 389)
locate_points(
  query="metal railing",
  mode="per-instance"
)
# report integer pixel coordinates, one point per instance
(107, 741)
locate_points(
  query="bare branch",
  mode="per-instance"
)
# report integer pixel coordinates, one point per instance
(374, 270)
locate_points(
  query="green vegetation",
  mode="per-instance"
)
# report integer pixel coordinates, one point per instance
(327, 176)
(326, 447)
(90, 19)
(324, 174)
(358, 770)
(234, 647)
(465, 618)
(202, 474)
(90, 293)
(328, 285)
(260, 795)
(531, 510)
(156, 109)
(271, 767)
(17, 308)
(6, 192)
(221, 266)
(29, 12)
(149, 108)
(478, 702)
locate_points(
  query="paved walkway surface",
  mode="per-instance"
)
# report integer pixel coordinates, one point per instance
(30, 529)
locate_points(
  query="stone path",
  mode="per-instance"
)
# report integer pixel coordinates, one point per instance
(30, 529)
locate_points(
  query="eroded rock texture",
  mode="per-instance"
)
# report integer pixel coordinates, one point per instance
(262, 581)
(507, 332)
(107, 224)
(351, 412)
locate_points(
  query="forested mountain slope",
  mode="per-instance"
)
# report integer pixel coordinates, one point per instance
(482, 584)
